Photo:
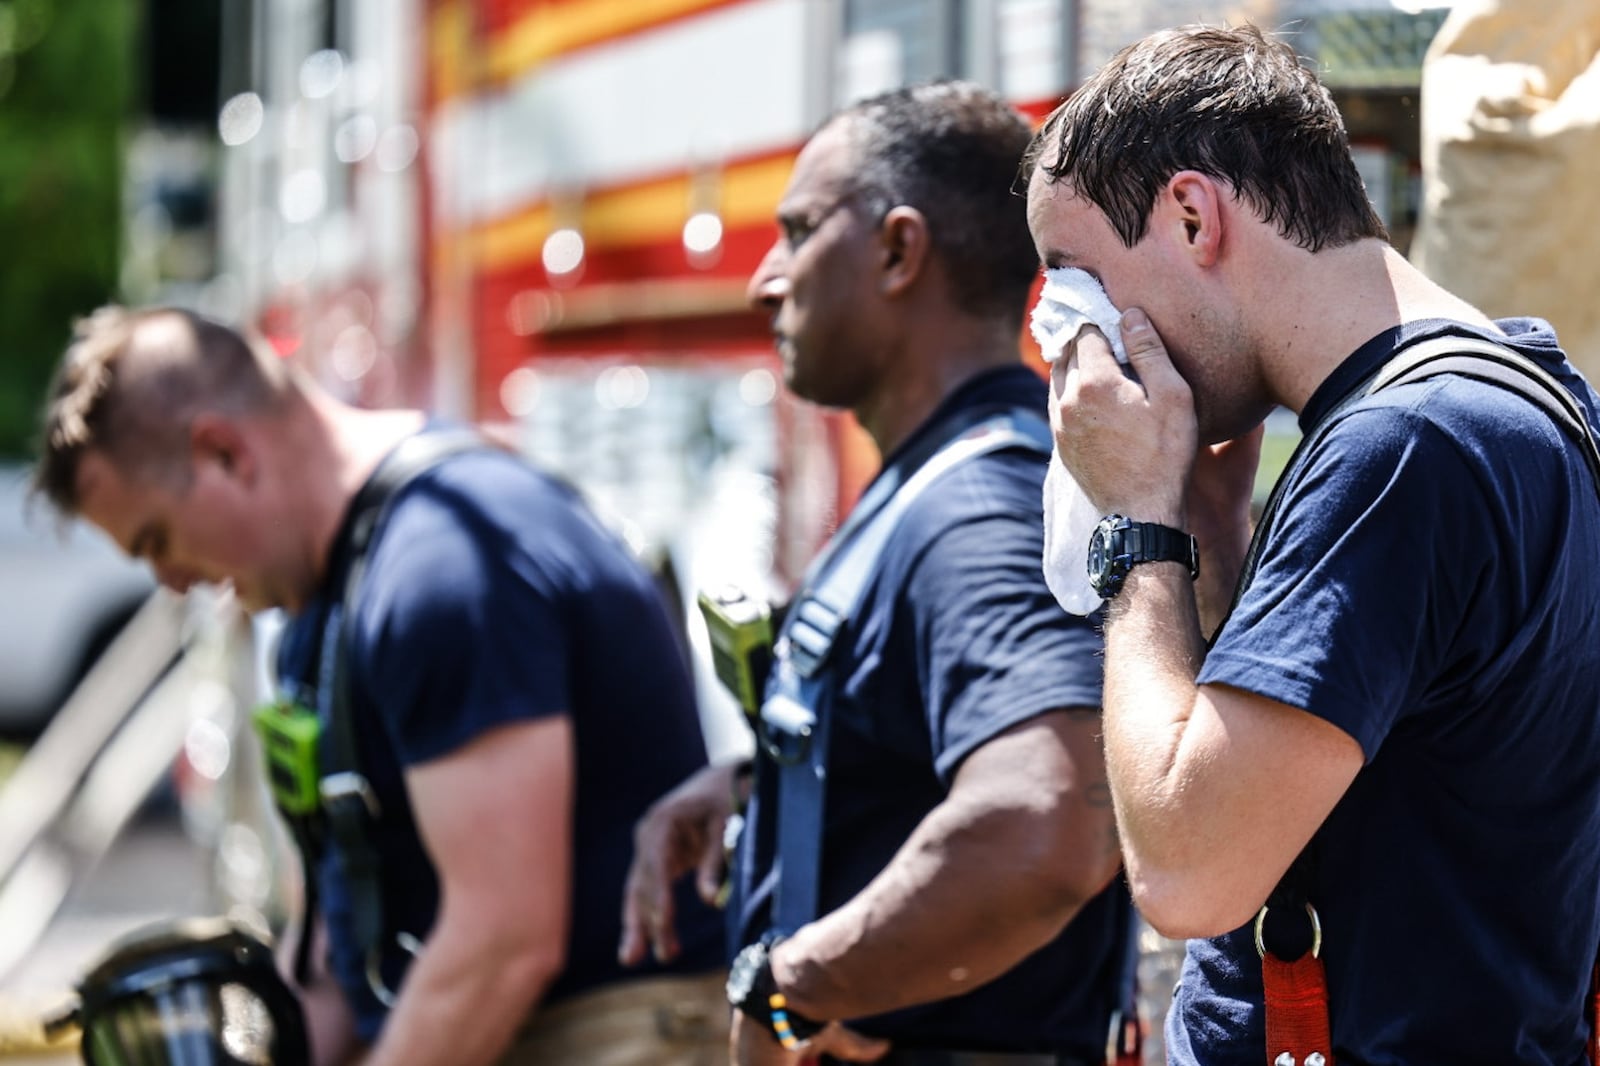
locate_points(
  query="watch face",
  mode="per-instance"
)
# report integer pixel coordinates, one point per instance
(1097, 555)
(742, 974)
(1102, 557)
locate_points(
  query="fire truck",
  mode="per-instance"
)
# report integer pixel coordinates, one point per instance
(541, 216)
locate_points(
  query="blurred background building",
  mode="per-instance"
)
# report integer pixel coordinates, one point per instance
(540, 214)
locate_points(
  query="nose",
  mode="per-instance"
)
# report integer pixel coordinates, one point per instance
(768, 285)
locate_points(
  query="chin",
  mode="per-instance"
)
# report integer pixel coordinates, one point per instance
(798, 386)
(254, 601)
(1216, 427)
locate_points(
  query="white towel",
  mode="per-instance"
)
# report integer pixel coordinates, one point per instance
(1070, 300)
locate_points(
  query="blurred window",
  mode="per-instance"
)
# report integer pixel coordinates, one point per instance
(889, 43)
(1023, 48)
(1033, 48)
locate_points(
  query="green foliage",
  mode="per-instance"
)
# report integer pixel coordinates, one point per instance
(63, 109)
(1279, 443)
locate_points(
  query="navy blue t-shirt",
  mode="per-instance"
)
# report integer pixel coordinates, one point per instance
(959, 639)
(493, 596)
(1432, 588)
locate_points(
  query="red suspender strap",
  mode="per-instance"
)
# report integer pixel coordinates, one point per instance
(1296, 1002)
(1127, 1043)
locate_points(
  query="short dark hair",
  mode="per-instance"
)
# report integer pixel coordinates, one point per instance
(951, 149)
(1231, 103)
(136, 408)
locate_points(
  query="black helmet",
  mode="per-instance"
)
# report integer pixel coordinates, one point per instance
(194, 992)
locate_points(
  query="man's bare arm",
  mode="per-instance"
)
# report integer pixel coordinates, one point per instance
(496, 819)
(992, 874)
(1217, 790)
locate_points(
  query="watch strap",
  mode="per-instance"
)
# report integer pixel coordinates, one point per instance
(764, 1003)
(1120, 543)
(1152, 542)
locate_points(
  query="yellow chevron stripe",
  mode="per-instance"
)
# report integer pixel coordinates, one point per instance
(540, 35)
(638, 214)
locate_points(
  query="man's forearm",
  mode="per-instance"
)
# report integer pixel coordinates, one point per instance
(939, 921)
(461, 1004)
(1153, 654)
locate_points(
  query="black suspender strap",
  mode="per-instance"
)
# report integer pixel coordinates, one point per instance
(349, 807)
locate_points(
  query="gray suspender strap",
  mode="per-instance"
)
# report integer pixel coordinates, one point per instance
(1467, 356)
(350, 807)
(1501, 366)
(795, 718)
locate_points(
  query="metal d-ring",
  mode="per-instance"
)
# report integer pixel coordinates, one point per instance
(380, 991)
(1316, 931)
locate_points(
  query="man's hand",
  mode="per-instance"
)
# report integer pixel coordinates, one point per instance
(753, 1045)
(681, 832)
(1127, 443)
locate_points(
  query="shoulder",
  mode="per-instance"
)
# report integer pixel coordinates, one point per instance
(471, 534)
(1004, 488)
(1447, 433)
(490, 510)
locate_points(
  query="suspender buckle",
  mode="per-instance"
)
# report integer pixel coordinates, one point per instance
(385, 995)
(1316, 931)
(343, 792)
(810, 634)
(785, 729)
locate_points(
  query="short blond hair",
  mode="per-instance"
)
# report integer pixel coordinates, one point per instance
(130, 384)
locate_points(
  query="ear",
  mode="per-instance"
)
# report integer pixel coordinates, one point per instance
(1190, 212)
(904, 243)
(216, 439)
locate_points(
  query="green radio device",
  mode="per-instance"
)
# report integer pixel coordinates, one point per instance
(289, 734)
(740, 629)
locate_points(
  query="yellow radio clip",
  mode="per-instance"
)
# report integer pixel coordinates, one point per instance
(740, 629)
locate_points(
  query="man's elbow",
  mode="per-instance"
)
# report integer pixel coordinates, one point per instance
(1079, 881)
(1185, 906)
(526, 963)
(1066, 875)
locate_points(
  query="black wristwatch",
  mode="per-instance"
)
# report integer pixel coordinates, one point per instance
(1119, 544)
(754, 991)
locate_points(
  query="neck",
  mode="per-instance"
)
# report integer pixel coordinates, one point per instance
(1323, 307)
(336, 448)
(929, 365)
